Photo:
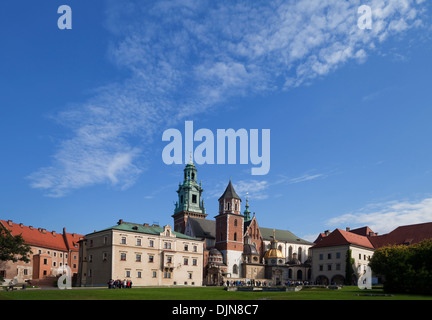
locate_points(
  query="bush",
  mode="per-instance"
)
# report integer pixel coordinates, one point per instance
(406, 269)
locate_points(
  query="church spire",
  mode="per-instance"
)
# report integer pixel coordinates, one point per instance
(189, 198)
(247, 212)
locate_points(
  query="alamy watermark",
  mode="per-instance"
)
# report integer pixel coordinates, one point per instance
(65, 280)
(226, 142)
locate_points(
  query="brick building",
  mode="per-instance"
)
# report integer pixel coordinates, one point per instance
(50, 253)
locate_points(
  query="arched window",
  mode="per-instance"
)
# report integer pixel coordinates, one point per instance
(300, 253)
(290, 252)
(235, 223)
(228, 206)
(236, 206)
(235, 269)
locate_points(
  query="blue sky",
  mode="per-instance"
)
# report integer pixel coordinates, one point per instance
(83, 110)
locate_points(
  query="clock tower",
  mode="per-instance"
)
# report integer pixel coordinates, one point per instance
(229, 230)
(189, 202)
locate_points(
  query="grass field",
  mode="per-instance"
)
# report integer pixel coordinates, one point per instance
(203, 293)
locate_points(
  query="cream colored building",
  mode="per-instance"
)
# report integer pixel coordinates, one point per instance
(146, 255)
(329, 257)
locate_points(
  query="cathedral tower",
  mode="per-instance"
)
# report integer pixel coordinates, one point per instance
(189, 202)
(229, 230)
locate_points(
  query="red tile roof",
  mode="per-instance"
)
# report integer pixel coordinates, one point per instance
(39, 237)
(409, 234)
(365, 237)
(342, 237)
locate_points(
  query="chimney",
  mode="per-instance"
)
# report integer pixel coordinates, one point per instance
(53, 233)
(146, 225)
(348, 229)
(371, 234)
(120, 221)
(327, 232)
(21, 225)
(10, 223)
(31, 227)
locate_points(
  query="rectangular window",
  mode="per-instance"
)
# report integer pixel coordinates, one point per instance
(154, 274)
(151, 259)
(127, 273)
(338, 266)
(329, 267)
(186, 247)
(194, 262)
(123, 256)
(321, 256)
(337, 255)
(185, 261)
(195, 248)
(169, 259)
(139, 274)
(123, 240)
(138, 243)
(151, 243)
(138, 258)
(329, 256)
(320, 267)
(194, 198)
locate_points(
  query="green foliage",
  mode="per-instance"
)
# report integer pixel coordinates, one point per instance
(406, 269)
(349, 271)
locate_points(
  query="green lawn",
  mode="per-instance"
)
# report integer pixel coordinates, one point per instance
(203, 293)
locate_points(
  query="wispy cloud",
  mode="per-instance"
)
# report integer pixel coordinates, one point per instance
(384, 217)
(186, 57)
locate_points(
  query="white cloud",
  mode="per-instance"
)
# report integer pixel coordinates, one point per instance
(186, 57)
(384, 217)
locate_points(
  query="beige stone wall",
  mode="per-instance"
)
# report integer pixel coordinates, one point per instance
(144, 259)
(331, 261)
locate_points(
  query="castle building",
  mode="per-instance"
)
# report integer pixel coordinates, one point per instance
(330, 250)
(235, 246)
(50, 253)
(142, 253)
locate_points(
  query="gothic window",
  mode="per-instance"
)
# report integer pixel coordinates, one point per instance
(236, 206)
(300, 254)
(235, 269)
(290, 252)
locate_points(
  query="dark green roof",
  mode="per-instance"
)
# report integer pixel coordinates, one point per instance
(147, 229)
(282, 235)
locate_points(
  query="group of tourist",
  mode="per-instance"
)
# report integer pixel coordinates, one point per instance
(118, 284)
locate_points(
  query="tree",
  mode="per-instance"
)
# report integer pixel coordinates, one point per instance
(349, 268)
(13, 248)
(406, 269)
